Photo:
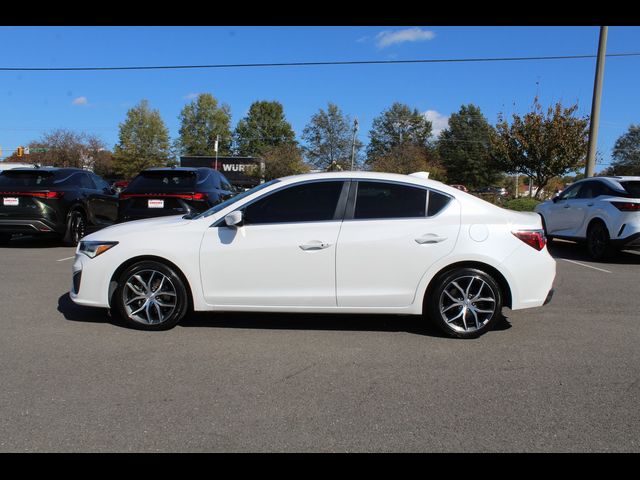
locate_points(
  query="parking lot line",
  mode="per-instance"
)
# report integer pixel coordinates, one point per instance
(63, 259)
(588, 266)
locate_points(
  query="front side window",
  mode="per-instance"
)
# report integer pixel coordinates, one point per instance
(389, 200)
(309, 202)
(570, 192)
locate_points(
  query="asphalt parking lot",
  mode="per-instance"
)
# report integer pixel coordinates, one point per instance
(565, 377)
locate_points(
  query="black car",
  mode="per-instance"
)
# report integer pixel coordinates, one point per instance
(65, 202)
(158, 192)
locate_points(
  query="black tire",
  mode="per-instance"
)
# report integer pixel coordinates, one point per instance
(76, 228)
(483, 286)
(5, 238)
(154, 314)
(598, 241)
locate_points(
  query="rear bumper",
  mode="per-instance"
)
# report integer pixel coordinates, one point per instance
(29, 226)
(632, 241)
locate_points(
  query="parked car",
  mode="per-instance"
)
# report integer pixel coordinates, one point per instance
(603, 212)
(119, 185)
(460, 187)
(341, 242)
(158, 192)
(66, 202)
(500, 191)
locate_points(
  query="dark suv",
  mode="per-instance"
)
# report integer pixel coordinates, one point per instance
(158, 192)
(67, 202)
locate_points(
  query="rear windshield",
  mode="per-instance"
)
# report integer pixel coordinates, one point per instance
(632, 188)
(37, 179)
(164, 181)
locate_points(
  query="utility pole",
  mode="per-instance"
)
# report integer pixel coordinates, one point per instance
(595, 104)
(353, 143)
(216, 150)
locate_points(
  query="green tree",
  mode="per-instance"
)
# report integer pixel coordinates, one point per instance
(328, 138)
(399, 125)
(407, 159)
(465, 149)
(283, 160)
(143, 141)
(264, 127)
(626, 153)
(200, 122)
(539, 145)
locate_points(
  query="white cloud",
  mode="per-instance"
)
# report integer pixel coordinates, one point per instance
(388, 37)
(438, 121)
(80, 101)
(190, 96)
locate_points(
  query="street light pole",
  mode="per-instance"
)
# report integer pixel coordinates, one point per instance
(353, 143)
(595, 104)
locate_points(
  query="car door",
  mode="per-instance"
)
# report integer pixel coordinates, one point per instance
(563, 217)
(106, 200)
(391, 235)
(283, 254)
(584, 203)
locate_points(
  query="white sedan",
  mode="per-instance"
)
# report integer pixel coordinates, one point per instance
(342, 242)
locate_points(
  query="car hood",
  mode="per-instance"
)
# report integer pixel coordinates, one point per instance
(114, 232)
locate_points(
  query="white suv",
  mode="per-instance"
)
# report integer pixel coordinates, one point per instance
(604, 212)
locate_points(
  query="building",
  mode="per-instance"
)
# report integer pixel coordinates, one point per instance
(243, 172)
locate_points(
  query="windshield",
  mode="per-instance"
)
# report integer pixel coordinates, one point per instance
(233, 200)
(632, 187)
(164, 180)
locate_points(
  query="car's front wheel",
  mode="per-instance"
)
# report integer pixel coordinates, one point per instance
(151, 296)
(465, 303)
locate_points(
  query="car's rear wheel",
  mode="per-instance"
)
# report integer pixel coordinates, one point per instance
(465, 303)
(598, 241)
(151, 296)
(76, 228)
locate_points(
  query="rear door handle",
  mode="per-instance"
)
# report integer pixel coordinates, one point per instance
(430, 238)
(314, 245)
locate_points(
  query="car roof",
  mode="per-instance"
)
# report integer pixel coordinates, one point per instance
(611, 181)
(47, 169)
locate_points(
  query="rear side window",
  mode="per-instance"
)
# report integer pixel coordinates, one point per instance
(164, 180)
(36, 179)
(632, 187)
(437, 203)
(389, 200)
(310, 202)
(85, 181)
(591, 190)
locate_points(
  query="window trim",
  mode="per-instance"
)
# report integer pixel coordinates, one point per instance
(338, 214)
(351, 205)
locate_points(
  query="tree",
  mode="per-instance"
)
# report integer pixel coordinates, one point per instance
(626, 153)
(541, 146)
(200, 122)
(65, 148)
(407, 159)
(465, 149)
(143, 141)
(399, 125)
(283, 160)
(264, 127)
(328, 138)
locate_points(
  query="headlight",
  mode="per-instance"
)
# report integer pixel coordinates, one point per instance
(93, 249)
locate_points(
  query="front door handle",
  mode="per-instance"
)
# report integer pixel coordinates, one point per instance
(314, 245)
(430, 238)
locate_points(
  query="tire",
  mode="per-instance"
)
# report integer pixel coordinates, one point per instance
(460, 291)
(544, 229)
(151, 311)
(598, 241)
(76, 228)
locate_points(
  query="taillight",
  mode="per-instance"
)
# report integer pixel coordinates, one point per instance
(533, 238)
(183, 196)
(53, 195)
(627, 206)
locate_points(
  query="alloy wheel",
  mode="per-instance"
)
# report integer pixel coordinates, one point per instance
(149, 297)
(467, 303)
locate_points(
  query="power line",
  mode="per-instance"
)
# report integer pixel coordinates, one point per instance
(311, 64)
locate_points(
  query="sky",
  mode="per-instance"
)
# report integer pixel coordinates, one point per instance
(34, 103)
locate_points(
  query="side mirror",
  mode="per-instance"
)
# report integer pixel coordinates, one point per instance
(234, 219)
